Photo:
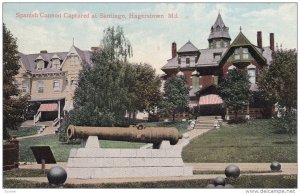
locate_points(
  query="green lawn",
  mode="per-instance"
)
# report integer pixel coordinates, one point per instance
(252, 181)
(181, 126)
(23, 131)
(254, 141)
(61, 150)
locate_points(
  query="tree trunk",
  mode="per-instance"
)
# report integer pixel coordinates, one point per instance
(173, 115)
(235, 115)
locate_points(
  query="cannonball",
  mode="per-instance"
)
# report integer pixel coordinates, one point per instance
(229, 186)
(275, 166)
(210, 186)
(57, 175)
(219, 181)
(232, 171)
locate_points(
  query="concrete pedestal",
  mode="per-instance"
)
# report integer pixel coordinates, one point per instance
(91, 162)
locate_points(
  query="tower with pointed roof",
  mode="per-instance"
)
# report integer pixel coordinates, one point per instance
(219, 34)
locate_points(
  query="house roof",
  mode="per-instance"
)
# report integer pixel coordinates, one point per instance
(219, 30)
(29, 60)
(188, 47)
(239, 41)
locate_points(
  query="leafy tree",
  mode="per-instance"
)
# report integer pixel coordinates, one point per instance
(235, 90)
(175, 98)
(13, 103)
(278, 83)
(147, 88)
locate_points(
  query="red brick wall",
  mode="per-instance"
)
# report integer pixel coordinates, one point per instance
(206, 80)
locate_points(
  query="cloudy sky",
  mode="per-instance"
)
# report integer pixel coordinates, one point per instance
(151, 38)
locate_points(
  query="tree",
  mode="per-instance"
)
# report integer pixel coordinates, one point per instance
(235, 90)
(147, 88)
(278, 83)
(13, 103)
(175, 98)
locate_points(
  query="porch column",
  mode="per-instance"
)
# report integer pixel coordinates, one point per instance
(248, 112)
(227, 116)
(58, 109)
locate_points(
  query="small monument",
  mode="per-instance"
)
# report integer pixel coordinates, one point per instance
(91, 161)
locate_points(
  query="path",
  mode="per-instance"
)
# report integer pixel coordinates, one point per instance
(287, 169)
(47, 131)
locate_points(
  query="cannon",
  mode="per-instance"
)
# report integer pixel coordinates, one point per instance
(153, 135)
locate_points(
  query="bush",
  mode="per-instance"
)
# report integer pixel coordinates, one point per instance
(286, 124)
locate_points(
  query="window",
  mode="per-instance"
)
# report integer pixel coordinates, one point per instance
(179, 60)
(55, 63)
(245, 53)
(25, 87)
(74, 84)
(218, 44)
(225, 44)
(56, 85)
(187, 60)
(40, 65)
(211, 45)
(41, 87)
(252, 73)
(237, 54)
(217, 56)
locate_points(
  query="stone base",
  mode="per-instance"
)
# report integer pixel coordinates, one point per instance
(87, 163)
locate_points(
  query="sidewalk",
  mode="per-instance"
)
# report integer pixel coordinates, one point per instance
(287, 169)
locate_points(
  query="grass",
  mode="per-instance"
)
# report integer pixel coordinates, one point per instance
(251, 181)
(25, 173)
(61, 150)
(255, 141)
(181, 126)
(23, 131)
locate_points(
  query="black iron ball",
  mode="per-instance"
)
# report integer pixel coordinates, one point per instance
(276, 166)
(57, 175)
(232, 171)
(210, 186)
(228, 186)
(219, 181)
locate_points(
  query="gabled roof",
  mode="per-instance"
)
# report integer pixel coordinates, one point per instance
(239, 41)
(219, 30)
(29, 60)
(188, 47)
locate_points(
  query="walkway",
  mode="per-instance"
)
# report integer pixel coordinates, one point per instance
(47, 131)
(255, 168)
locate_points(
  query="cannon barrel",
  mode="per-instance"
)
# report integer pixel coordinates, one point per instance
(131, 134)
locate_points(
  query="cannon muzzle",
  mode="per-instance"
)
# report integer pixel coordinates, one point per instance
(153, 135)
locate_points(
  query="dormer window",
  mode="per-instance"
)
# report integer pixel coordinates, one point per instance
(40, 63)
(55, 62)
(245, 53)
(179, 60)
(237, 54)
(217, 56)
(225, 44)
(187, 60)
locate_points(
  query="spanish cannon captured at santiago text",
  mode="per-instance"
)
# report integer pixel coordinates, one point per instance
(153, 135)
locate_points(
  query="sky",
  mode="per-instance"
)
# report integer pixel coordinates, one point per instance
(151, 38)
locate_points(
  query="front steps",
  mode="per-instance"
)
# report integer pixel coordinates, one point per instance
(206, 122)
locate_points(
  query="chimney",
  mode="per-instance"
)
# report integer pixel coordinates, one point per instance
(259, 39)
(174, 50)
(94, 49)
(272, 41)
(43, 51)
